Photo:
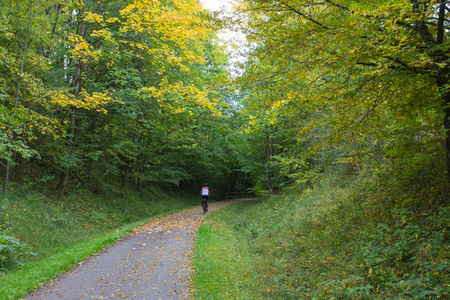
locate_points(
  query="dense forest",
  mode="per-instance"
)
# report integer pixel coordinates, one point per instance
(112, 95)
(119, 95)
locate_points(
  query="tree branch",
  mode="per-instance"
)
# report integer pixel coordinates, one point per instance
(337, 5)
(303, 15)
(403, 64)
(367, 64)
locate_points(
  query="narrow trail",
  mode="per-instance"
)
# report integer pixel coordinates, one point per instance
(153, 262)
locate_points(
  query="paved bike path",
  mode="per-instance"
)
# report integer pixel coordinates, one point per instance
(153, 262)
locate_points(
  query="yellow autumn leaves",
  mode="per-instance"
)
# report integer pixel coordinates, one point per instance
(82, 50)
(94, 101)
(191, 95)
(170, 34)
(353, 65)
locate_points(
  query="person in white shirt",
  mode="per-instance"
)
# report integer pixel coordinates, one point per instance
(205, 196)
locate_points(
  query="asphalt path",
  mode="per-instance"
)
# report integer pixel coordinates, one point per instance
(153, 262)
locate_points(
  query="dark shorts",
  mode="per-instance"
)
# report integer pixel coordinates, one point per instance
(205, 197)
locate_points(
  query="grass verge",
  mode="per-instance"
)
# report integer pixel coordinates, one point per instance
(367, 237)
(63, 232)
(222, 264)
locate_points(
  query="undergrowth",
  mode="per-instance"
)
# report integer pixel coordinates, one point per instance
(42, 234)
(368, 236)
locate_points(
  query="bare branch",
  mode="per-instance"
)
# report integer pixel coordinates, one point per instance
(405, 65)
(303, 15)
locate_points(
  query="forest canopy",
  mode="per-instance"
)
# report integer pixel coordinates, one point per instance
(348, 81)
(110, 93)
(119, 93)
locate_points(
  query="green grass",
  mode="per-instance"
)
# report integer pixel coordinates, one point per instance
(344, 238)
(222, 264)
(63, 231)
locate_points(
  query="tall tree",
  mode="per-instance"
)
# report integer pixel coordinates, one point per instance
(367, 66)
(112, 93)
(21, 37)
(158, 39)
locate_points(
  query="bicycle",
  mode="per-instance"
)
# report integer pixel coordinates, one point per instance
(205, 205)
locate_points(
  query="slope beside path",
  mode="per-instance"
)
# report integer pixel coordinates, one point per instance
(153, 262)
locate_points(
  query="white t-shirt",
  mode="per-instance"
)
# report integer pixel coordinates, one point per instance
(205, 191)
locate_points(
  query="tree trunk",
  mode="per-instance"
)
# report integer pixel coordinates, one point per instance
(124, 177)
(16, 103)
(267, 150)
(447, 137)
(442, 81)
(64, 177)
(6, 182)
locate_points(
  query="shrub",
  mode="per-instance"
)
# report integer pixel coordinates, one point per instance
(11, 251)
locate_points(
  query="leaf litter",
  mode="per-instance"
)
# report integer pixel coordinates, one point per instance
(153, 262)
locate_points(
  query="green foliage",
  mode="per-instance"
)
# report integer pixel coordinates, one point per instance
(111, 95)
(11, 251)
(364, 236)
(42, 219)
(62, 232)
(339, 81)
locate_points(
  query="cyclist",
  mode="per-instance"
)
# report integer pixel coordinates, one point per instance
(205, 196)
